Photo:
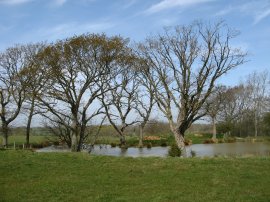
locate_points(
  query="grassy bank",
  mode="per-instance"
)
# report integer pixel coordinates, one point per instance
(37, 141)
(28, 176)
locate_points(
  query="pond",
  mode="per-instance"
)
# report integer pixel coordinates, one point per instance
(201, 150)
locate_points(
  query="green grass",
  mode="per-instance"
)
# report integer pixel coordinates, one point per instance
(165, 139)
(34, 140)
(29, 176)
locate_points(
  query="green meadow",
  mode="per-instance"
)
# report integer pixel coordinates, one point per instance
(31, 176)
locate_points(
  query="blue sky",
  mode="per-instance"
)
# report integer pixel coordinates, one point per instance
(24, 21)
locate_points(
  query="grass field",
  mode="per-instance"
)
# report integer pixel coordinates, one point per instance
(29, 176)
(35, 140)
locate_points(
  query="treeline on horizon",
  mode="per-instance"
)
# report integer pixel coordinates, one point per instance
(74, 81)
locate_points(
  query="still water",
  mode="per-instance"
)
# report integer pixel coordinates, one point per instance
(201, 150)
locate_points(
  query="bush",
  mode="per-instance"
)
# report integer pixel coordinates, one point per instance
(221, 140)
(113, 144)
(163, 144)
(188, 142)
(192, 153)
(174, 151)
(37, 145)
(123, 147)
(56, 143)
(149, 145)
(231, 139)
(45, 143)
(209, 141)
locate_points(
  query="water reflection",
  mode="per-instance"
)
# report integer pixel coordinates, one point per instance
(132, 151)
(201, 150)
(231, 149)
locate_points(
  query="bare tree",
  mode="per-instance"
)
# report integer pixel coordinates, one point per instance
(79, 68)
(36, 80)
(120, 101)
(60, 129)
(214, 107)
(12, 86)
(234, 107)
(144, 103)
(258, 83)
(183, 65)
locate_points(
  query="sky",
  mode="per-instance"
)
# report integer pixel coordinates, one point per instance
(26, 21)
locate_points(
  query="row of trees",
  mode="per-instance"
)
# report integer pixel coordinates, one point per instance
(241, 110)
(72, 81)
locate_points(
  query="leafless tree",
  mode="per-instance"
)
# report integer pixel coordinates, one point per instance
(36, 80)
(214, 107)
(120, 101)
(60, 129)
(79, 67)
(183, 65)
(234, 106)
(144, 103)
(258, 83)
(12, 86)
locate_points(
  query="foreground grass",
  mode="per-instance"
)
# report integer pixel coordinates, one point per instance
(29, 176)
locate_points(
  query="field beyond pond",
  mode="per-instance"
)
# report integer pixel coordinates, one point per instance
(30, 176)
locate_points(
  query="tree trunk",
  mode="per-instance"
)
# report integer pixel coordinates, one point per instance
(180, 141)
(28, 127)
(179, 136)
(74, 142)
(255, 124)
(122, 140)
(214, 132)
(5, 134)
(82, 136)
(75, 131)
(141, 136)
(240, 132)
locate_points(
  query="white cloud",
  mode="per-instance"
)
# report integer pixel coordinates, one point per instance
(167, 4)
(225, 11)
(69, 29)
(129, 3)
(14, 2)
(18, 2)
(4, 28)
(258, 10)
(261, 15)
(60, 2)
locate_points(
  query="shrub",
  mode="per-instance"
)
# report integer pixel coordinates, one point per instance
(221, 140)
(45, 143)
(164, 144)
(56, 143)
(174, 151)
(188, 142)
(124, 147)
(151, 138)
(209, 141)
(192, 153)
(231, 139)
(149, 145)
(113, 144)
(37, 145)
